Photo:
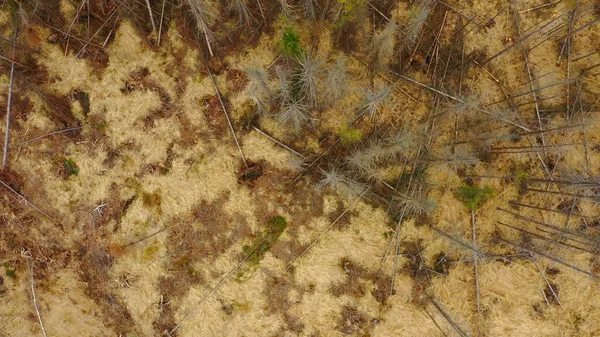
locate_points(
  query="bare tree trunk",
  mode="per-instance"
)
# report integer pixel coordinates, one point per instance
(162, 15)
(151, 17)
(8, 106)
(226, 115)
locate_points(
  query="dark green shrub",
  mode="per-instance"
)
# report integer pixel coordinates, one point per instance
(70, 167)
(290, 43)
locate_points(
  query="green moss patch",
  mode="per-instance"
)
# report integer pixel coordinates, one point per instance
(473, 196)
(290, 43)
(12, 273)
(350, 136)
(257, 250)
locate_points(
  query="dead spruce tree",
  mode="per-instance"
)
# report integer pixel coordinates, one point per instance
(205, 15)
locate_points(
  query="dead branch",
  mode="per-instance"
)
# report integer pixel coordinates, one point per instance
(97, 31)
(37, 310)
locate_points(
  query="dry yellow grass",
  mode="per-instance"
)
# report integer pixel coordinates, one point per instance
(179, 213)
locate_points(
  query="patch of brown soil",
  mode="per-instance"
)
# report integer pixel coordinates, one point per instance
(356, 280)
(208, 234)
(189, 133)
(94, 270)
(236, 80)
(215, 116)
(276, 292)
(352, 321)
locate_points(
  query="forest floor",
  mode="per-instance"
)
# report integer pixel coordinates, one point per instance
(145, 194)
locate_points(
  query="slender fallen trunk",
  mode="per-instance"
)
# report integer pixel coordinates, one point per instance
(547, 283)
(215, 288)
(533, 88)
(565, 231)
(397, 249)
(448, 318)
(289, 266)
(68, 32)
(24, 199)
(162, 15)
(435, 322)
(514, 203)
(279, 143)
(549, 240)
(151, 17)
(207, 37)
(552, 258)
(523, 38)
(8, 108)
(476, 260)
(46, 135)
(460, 242)
(9, 105)
(473, 106)
(226, 115)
